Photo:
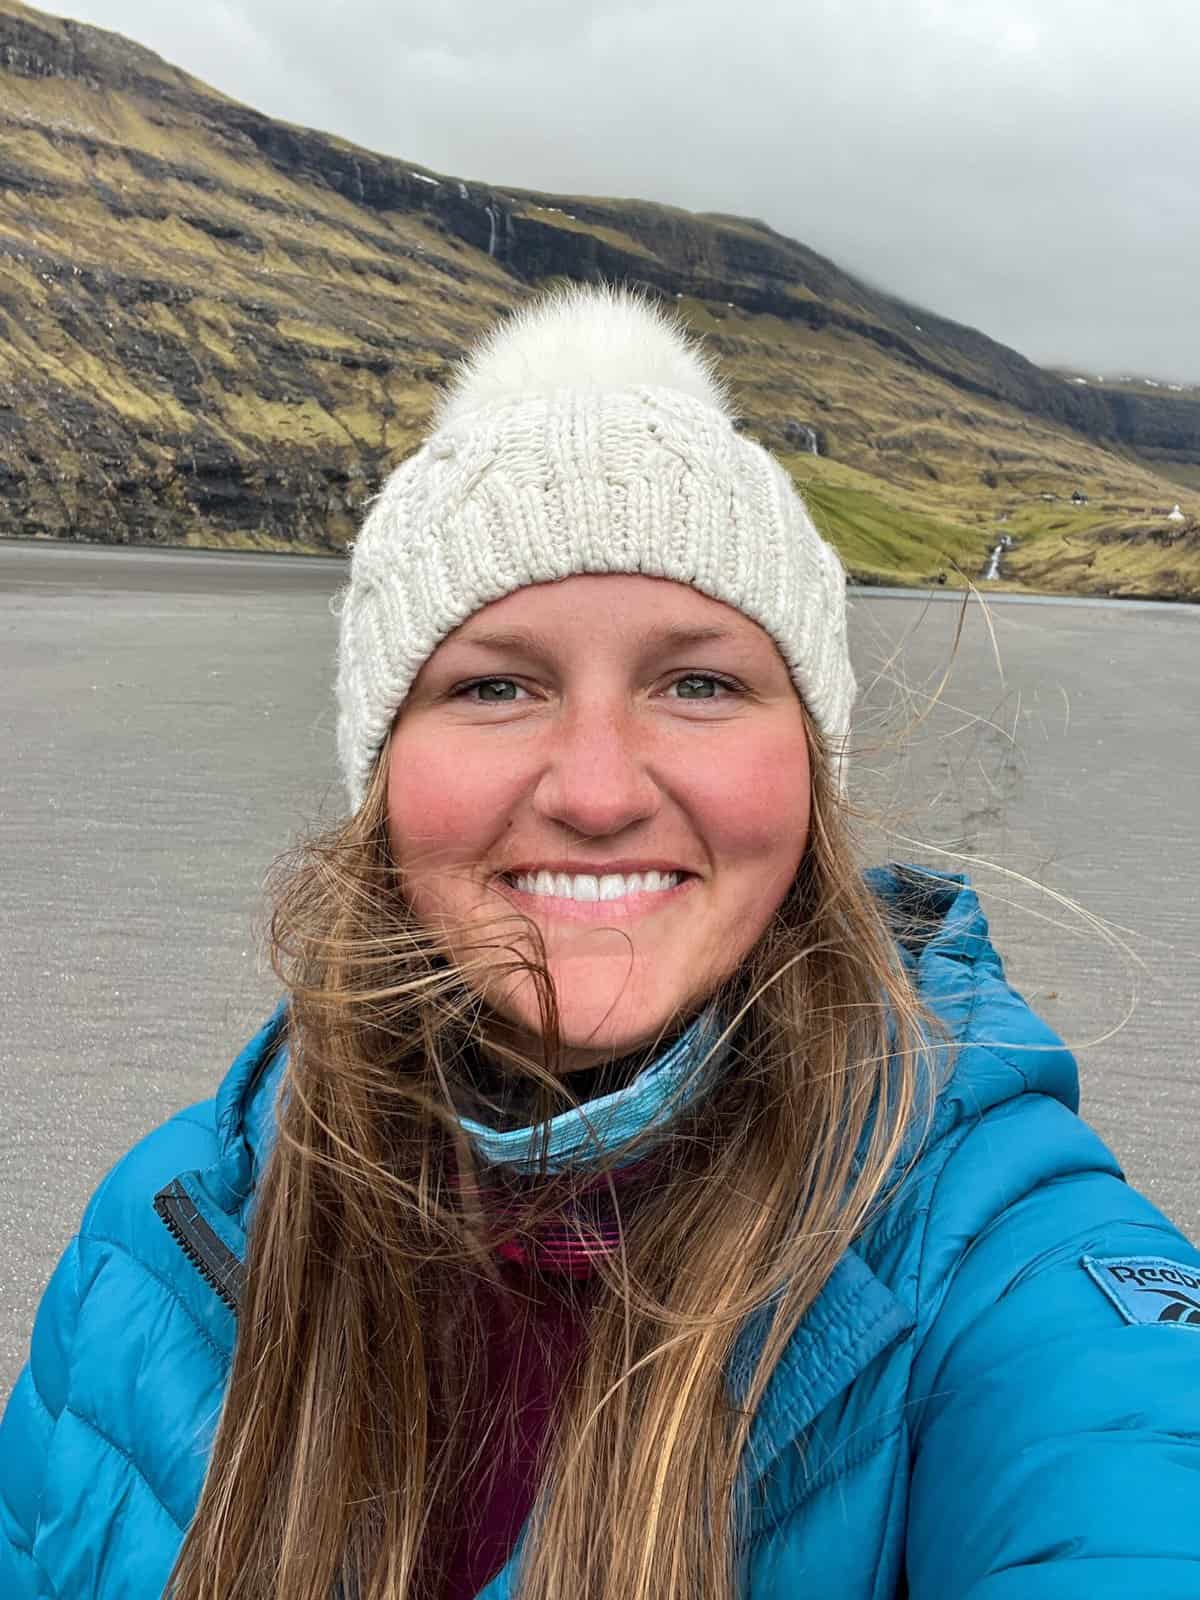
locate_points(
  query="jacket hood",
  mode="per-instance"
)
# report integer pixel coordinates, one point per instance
(1000, 1049)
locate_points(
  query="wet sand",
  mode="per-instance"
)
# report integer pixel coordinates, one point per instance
(167, 726)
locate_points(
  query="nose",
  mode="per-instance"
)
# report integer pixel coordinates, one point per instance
(596, 781)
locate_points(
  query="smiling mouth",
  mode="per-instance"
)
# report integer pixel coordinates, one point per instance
(589, 887)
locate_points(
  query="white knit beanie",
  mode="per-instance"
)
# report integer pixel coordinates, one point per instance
(587, 433)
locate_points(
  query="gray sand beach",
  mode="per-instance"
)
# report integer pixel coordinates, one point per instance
(167, 727)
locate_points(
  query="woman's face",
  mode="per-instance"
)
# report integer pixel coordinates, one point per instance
(622, 760)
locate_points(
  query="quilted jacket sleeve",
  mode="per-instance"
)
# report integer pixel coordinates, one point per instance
(1056, 1441)
(33, 1409)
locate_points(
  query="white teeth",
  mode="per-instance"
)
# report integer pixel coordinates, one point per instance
(586, 886)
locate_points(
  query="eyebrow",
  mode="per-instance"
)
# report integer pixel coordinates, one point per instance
(529, 641)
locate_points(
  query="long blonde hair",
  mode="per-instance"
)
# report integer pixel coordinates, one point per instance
(359, 1341)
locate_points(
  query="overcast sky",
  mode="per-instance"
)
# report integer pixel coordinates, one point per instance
(1031, 167)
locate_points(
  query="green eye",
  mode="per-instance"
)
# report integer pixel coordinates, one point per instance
(492, 690)
(696, 687)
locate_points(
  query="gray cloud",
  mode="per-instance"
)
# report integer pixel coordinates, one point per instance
(1031, 167)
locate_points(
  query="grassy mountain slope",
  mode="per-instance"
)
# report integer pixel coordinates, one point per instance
(216, 328)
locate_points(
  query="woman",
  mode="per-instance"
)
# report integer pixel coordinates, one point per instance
(629, 1200)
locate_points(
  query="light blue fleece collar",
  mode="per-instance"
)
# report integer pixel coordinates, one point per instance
(578, 1136)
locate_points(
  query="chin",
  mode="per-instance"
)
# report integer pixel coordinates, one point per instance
(600, 1024)
(620, 1039)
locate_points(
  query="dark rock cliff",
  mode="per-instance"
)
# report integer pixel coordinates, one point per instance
(725, 259)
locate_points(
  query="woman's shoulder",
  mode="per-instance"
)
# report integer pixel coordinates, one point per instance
(122, 1206)
(124, 1292)
(1003, 1155)
(996, 1046)
(220, 1142)
(217, 1137)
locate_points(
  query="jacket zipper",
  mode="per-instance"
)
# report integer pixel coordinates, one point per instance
(200, 1243)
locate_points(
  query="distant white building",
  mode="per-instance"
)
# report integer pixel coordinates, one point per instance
(1177, 516)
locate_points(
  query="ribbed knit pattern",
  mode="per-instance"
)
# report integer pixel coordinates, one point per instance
(536, 486)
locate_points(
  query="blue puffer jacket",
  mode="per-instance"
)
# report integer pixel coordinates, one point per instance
(996, 1397)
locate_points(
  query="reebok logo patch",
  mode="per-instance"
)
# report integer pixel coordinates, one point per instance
(1149, 1288)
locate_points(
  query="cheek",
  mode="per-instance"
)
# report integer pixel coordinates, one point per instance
(438, 814)
(757, 807)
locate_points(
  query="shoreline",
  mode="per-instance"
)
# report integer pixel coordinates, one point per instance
(317, 561)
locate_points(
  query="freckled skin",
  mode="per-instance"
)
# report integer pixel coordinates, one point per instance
(598, 738)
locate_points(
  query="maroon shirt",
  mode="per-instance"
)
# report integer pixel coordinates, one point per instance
(498, 1496)
(527, 1361)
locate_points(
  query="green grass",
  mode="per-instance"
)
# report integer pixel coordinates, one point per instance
(1183, 473)
(877, 540)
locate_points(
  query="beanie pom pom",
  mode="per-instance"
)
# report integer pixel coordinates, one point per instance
(583, 338)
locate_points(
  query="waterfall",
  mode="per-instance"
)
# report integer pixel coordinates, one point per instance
(802, 434)
(992, 570)
(500, 231)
